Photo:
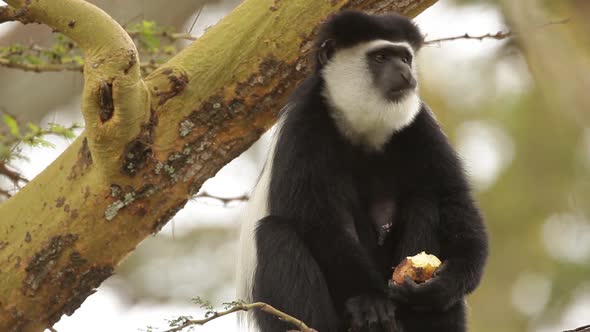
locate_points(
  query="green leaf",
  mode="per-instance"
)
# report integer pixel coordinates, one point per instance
(60, 130)
(78, 59)
(37, 141)
(33, 127)
(12, 124)
(32, 59)
(16, 49)
(4, 152)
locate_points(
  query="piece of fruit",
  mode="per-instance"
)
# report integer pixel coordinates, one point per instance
(419, 268)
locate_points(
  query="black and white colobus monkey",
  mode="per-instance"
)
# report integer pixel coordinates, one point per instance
(360, 176)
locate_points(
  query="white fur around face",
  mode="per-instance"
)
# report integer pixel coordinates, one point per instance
(361, 113)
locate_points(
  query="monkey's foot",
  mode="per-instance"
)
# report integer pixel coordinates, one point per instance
(371, 313)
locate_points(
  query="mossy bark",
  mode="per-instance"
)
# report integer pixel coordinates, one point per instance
(149, 144)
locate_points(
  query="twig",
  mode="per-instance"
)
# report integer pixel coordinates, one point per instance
(246, 307)
(225, 200)
(5, 193)
(13, 176)
(166, 34)
(585, 328)
(46, 67)
(498, 35)
(196, 18)
(54, 67)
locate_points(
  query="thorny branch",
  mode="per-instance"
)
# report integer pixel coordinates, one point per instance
(239, 306)
(497, 36)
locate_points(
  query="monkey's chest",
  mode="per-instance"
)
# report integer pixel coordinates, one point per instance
(378, 186)
(382, 216)
(377, 218)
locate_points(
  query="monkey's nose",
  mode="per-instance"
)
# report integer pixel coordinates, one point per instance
(409, 79)
(406, 77)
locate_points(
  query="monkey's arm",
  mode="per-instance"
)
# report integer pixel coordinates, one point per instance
(460, 233)
(312, 190)
(464, 241)
(464, 249)
(344, 261)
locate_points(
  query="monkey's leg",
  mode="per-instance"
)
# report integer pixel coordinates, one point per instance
(288, 278)
(450, 320)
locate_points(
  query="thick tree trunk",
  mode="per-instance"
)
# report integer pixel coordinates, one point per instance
(149, 144)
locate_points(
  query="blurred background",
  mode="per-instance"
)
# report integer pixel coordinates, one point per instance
(517, 110)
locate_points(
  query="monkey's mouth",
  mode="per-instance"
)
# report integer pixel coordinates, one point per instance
(397, 94)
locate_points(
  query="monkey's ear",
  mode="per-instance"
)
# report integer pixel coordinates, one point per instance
(325, 51)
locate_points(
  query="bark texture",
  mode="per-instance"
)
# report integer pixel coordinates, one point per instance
(148, 144)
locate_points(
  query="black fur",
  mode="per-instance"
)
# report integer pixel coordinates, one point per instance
(319, 257)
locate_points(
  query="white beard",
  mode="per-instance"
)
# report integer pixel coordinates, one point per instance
(360, 112)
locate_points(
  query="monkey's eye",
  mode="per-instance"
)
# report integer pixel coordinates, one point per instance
(380, 57)
(406, 59)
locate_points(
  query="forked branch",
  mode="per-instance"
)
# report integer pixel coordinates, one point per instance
(113, 88)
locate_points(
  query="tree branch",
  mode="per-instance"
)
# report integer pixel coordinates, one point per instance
(168, 35)
(112, 83)
(498, 35)
(246, 307)
(585, 328)
(51, 67)
(225, 200)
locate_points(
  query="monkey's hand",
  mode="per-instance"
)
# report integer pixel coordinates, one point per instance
(440, 292)
(368, 313)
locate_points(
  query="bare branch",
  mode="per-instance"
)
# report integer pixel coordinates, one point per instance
(168, 35)
(585, 328)
(225, 200)
(13, 176)
(498, 35)
(246, 307)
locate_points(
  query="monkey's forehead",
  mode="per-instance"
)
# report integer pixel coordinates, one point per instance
(349, 28)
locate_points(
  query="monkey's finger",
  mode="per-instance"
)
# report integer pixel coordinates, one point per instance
(390, 307)
(355, 314)
(397, 294)
(371, 317)
(386, 313)
(409, 284)
(438, 271)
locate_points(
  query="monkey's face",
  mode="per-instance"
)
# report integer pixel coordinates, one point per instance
(379, 66)
(371, 86)
(391, 67)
